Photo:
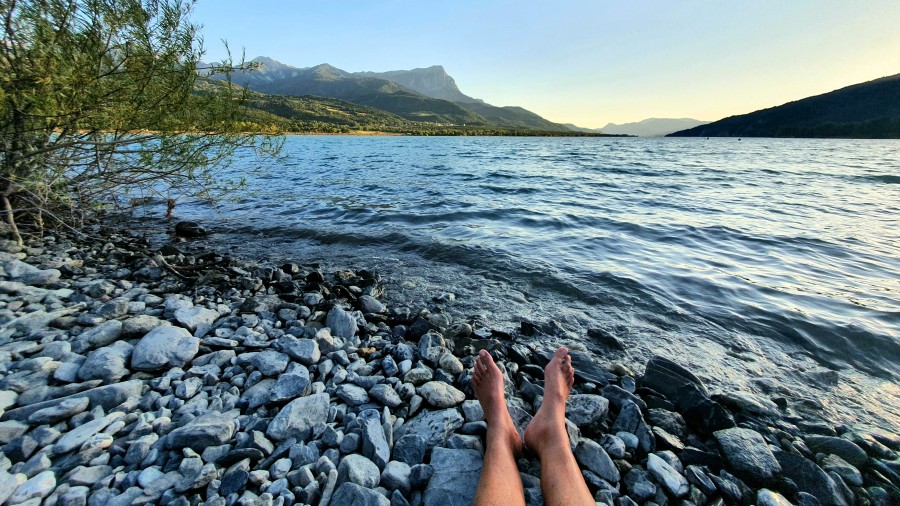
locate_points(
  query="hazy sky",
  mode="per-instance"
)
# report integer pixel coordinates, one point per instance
(579, 61)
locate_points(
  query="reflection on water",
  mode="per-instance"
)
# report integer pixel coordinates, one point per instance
(772, 258)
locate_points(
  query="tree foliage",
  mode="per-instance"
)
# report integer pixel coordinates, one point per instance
(98, 98)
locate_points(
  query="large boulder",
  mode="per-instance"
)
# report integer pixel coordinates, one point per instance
(164, 348)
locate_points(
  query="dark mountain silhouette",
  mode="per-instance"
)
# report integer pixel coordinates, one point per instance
(867, 110)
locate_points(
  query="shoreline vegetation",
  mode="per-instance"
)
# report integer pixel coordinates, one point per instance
(180, 375)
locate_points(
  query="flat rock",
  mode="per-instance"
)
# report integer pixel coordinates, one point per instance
(674, 483)
(748, 456)
(196, 319)
(434, 426)
(60, 411)
(164, 347)
(39, 486)
(351, 394)
(107, 397)
(101, 335)
(455, 478)
(441, 395)
(594, 457)
(210, 429)
(76, 437)
(298, 417)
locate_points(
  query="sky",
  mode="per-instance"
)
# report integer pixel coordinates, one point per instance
(579, 61)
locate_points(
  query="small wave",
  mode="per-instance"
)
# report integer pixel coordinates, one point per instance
(886, 178)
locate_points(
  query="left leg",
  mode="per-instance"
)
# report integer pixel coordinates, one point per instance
(500, 483)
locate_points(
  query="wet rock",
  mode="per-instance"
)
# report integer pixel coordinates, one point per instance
(747, 454)
(189, 229)
(765, 497)
(441, 395)
(298, 417)
(588, 370)
(809, 478)
(675, 382)
(164, 347)
(674, 483)
(748, 403)
(455, 478)
(850, 474)
(843, 448)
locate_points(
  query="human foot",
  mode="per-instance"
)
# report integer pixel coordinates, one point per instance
(548, 427)
(487, 382)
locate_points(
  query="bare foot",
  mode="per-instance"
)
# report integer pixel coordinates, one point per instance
(488, 385)
(548, 427)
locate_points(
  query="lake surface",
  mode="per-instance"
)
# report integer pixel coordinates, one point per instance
(762, 264)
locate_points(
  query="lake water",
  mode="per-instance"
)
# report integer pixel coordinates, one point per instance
(762, 264)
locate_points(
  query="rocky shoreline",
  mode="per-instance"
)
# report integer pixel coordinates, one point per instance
(181, 376)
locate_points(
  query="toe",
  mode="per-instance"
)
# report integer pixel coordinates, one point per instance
(562, 354)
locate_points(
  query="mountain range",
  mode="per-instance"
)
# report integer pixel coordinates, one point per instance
(424, 95)
(652, 127)
(866, 110)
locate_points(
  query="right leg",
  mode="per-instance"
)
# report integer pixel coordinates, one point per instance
(561, 479)
(500, 483)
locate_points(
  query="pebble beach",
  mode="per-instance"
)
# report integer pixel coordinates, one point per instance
(179, 375)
